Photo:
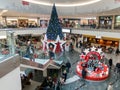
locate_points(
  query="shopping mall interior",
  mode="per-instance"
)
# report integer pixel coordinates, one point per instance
(60, 45)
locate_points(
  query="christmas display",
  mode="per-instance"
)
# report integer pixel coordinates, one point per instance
(94, 68)
(54, 28)
(53, 40)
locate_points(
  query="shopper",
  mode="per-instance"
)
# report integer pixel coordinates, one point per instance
(71, 47)
(30, 51)
(117, 51)
(84, 73)
(110, 86)
(64, 75)
(68, 66)
(110, 62)
(51, 54)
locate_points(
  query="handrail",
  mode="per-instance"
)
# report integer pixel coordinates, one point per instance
(81, 28)
(100, 29)
(15, 61)
(31, 64)
(54, 63)
(113, 33)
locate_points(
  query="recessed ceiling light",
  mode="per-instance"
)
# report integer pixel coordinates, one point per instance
(62, 5)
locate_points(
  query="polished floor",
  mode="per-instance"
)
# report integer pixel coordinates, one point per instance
(78, 84)
(33, 85)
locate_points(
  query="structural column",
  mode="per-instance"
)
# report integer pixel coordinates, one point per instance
(119, 45)
(113, 22)
(97, 21)
(38, 21)
(5, 19)
(11, 42)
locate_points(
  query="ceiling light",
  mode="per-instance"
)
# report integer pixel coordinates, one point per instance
(3, 37)
(3, 11)
(62, 5)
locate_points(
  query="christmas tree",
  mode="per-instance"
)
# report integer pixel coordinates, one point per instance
(54, 28)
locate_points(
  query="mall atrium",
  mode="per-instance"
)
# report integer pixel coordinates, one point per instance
(60, 45)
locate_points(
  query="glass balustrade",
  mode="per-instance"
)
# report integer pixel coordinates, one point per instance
(5, 51)
(7, 48)
(40, 56)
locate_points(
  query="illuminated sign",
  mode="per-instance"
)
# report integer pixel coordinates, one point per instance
(66, 30)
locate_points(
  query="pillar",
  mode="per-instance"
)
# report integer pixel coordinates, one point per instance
(45, 73)
(97, 22)
(38, 21)
(11, 42)
(5, 20)
(119, 45)
(113, 22)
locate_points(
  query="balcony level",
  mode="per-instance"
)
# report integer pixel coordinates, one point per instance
(98, 33)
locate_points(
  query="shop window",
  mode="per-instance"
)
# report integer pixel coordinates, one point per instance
(105, 22)
(23, 22)
(32, 24)
(12, 23)
(117, 22)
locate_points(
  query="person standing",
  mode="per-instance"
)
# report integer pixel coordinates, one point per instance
(71, 47)
(110, 86)
(64, 75)
(68, 66)
(30, 51)
(84, 73)
(110, 62)
(117, 51)
(51, 54)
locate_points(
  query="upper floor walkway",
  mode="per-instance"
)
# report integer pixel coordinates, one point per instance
(98, 33)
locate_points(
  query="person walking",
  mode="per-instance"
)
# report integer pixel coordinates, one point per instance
(30, 51)
(68, 66)
(117, 51)
(110, 86)
(110, 63)
(71, 47)
(64, 75)
(84, 73)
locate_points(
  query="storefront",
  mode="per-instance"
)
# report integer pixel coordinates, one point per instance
(105, 22)
(44, 22)
(117, 22)
(103, 41)
(88, 22)
(12, 22)
(23, 22)
(2, 22)
(32, 22)
(71, 22)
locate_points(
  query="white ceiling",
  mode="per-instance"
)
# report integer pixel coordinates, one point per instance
(103, 7)
(64, 1)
